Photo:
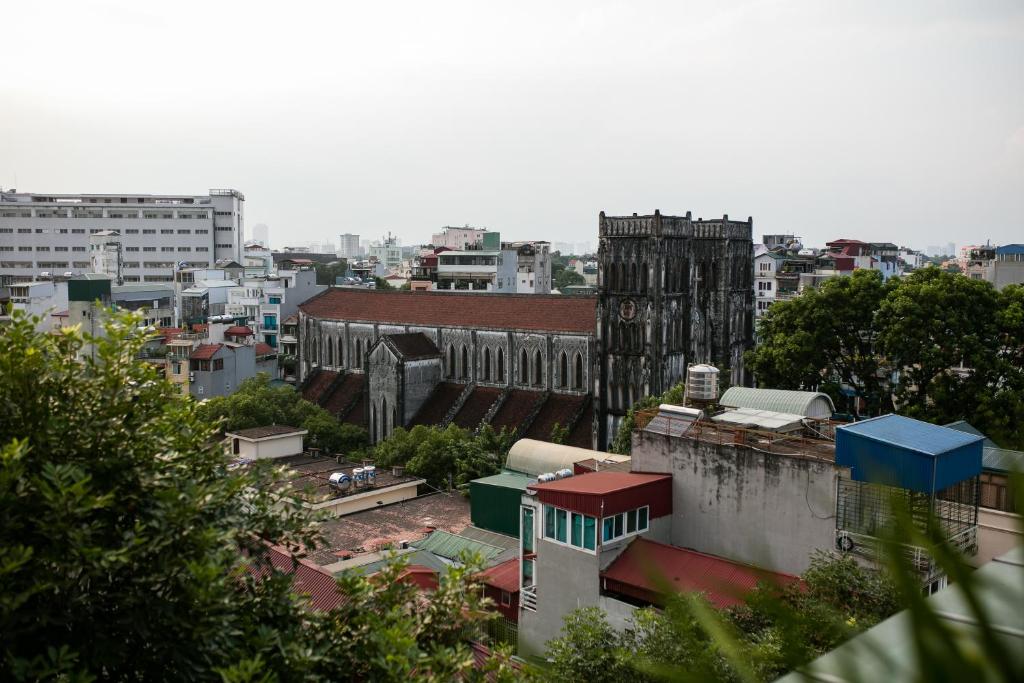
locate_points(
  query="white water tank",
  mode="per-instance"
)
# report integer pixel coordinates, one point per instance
(358, 477)
(370, 472)
(546, 477)
(340, 480)
(563, 473)
(702, 383)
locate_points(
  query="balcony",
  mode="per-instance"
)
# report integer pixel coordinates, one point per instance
(528, 598)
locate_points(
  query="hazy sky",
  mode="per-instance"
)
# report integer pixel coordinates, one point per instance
(895, 121)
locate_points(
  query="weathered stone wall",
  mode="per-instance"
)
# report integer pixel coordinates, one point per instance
(765, 509)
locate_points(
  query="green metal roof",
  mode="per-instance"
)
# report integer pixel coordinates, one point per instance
(506, 479)
(806, 403)
(965, 426)
(423, 558)
(451, 546)
(886, 652)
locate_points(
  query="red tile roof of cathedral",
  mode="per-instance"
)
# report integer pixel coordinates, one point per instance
(549, 313)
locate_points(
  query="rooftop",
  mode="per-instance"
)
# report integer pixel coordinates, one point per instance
(267, 432)
(642, 569)
(389, 524)
(779, 400)
(506, 479)
(311, 477)
(505, 311)
(453, 546)
(768, 420)
(412, 345)
(910, 434)
(205, 351)
(504, 576)
(600, 483)
(319, 587)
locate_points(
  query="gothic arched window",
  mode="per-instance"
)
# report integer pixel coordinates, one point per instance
(341, 351)
(465, 362)
(524, 368)
(643, 278)
(383, 417)
(563, 367)
(501, 364)
(330, 352)
(487, 365)
(451, 361)
(373, 421)
(633, 283)
(577, 380)
(609, 276)
(359, 352)
(538, 368)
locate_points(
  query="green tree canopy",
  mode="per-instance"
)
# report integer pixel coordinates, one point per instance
(435, 453)
(126, 541)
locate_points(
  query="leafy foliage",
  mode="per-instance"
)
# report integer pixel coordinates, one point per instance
(326, 273)
(932, 345)
(622, 443)
(434, 453)
(258, 404)
(772, 632)
(126, 541)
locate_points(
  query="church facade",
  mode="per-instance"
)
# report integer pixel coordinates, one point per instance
(672, 291)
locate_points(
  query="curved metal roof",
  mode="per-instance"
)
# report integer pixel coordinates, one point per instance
(533, 457)
(807, 403)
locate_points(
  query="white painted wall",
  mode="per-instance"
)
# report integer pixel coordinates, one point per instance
(275, 447)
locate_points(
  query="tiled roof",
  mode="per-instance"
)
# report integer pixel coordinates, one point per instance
(344, 393)
(413, 345)
(504, 576)
(558, 409)
(582, 435)
(476, 406)
(551, 313)
(642, 567)
(516, 408)
(264, 349)
(436, 407)
(238, 331)
(319, 587)
(264, 432)
(205, 351)
(318, 384)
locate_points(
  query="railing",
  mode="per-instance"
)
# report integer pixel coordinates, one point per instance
(528, 598)
(870, 548)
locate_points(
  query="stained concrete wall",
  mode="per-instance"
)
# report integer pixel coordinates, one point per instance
(421, 378)
(998, 533)
(765, 509)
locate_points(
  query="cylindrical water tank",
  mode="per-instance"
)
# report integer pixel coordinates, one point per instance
(562, 474)
(340, 480)
(370, 472)
(546, 477)
(702, 382)
(358, 476)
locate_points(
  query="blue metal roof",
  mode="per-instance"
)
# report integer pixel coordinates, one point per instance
(899, 451)
(1010, 249)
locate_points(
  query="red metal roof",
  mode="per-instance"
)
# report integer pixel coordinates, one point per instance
(554, 313)
(238, 331)
(424, 578)
(205, 351)
(643, 568)
(504, 576)
(264, 349)
(320, 587)
(609, 492)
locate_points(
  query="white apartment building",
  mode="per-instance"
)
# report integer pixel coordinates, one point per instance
(267, 301)
(766, 266)
(348, 246)
(50, 233)
(478, 271)
(45, 298)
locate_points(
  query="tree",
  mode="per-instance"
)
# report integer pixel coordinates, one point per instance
(382, 284)
(567, 278)
(825, 332)
(587, 650)
(435, 453)
(327, 273)
(127, 541)
(622, 443)
(258, 404)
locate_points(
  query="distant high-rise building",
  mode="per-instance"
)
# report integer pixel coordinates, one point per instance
(261, 234)
(348, 246)
(50, 233)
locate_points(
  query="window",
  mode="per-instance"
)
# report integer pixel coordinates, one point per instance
(506, 598)
(218, 363)
(148, 232)
(77, 248)
(631, 522)
(166, 232)
(624, 524)
(526, 526)
(202, 231)
(24, 248)
(487, 365)
(589, 532)
(131, 231)
(184, 232)
(561, 518)
(131, 248)
(641, 521)
(576, 533)
(75, 231)
(563, 367)
(524, 368)
(202, 249)
(465, 362)
(166, 248)
(549, 521)
(538, 368)
(577, 380)
(608, 529)
(184, 248)
(149, 249)
(501, 365)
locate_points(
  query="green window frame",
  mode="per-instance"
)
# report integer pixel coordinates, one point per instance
(608, 529)
(561, 522)
(527, 529)
(642, 521)
(549, 521)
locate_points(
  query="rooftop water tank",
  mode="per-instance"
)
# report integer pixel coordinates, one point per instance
(370, 472)
(563, 473)
(546, 477)
(358, 476)
(702, 383)
(340, 480)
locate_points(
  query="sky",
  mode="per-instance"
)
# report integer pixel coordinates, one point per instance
(895, 121)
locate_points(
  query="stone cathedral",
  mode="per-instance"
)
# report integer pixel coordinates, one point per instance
(672, 291)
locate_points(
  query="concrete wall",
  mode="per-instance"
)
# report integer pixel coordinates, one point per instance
(998, 532)
(369, 499)
(278, 447)
(383, 391)
(769, 510)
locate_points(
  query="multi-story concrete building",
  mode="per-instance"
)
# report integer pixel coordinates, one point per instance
(1001, 266)
(45, 298)
(50, 233)
(533, 266)
(266, 301)
(478, 270)
(458, 238)
(348, 246)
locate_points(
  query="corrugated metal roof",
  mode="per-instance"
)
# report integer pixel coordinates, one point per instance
(914, 435)
(767, 420)
(600, 483)
(506, 479)
(805, 403)
(1010, 249)
(965, 426)
(609, 492)
(1002, 460)
(641, 567)
(451, 546)
(504, 576)
(886, 652)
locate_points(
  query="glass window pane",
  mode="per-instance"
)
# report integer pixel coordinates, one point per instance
(631, 521)
(641, 523)
(608, 532)
(527, 572)
(527, 530)
(589, 533)
(560, 524)
(549, 521)
(618, 525)
(576, 533)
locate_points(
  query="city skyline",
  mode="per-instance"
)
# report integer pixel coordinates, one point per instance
(901, 123)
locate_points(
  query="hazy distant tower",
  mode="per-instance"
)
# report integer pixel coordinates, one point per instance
(261, 234)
